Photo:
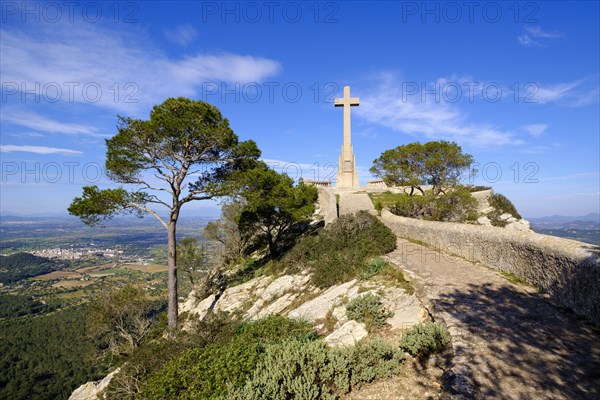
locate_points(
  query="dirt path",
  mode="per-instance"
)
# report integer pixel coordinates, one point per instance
(351, 203)
(509, 342)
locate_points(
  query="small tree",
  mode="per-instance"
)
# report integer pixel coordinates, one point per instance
(226, 231)
(192, 259)
(273, 205)
(124, 316)
(445, 163)
(402, 166)
(156, 157)
(440, 164)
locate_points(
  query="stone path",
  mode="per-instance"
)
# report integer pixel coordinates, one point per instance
(509, 342)
(351, 202)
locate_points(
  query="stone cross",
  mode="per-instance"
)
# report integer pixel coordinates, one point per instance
(347, 176)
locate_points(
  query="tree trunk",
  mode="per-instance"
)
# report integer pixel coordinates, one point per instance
(172, 274)
(272, 248)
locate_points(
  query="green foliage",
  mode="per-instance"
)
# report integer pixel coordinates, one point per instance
(46, 357)
(368, 309)
(438, 163)
(181, 138)
(96, 205)
(16, 267)
(424, 339)
(17, 305)
(372, 268)
(456, 206)
(123, 317)
(338, 253)
(503, 205)
(224, 361)
(273, 205)
(477, 188)
(311, 370)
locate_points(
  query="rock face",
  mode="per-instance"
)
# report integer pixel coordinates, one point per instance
(93, 390)
(293, 296)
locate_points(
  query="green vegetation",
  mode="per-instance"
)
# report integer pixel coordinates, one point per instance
(16, 267)
(502, 205)
(368, 309)
(340, 251)
(458, 205)
(224, 357)
(512, 278)
(273, 206)
(181, 137)
(372, 268)
(311, 370)
(424, 339)
(12, 306)
(439, 164)
(48, 356)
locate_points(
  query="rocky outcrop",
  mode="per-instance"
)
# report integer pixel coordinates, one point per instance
(93, 390)
(293, 296)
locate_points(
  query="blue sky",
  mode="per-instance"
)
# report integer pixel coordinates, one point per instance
(515, 84)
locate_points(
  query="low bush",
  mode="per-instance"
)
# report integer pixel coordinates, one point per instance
(424, 339)
(457, 205)
(501, 205)
(368, 309)
(372, 268)
(339, 252)
(311, 370)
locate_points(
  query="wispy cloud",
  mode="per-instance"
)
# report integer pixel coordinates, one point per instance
(40, 123)
(537, 37)
(427, 117)
(573, 94)
(129, 71)
(9, 148)
(535, 130)
(181, 35)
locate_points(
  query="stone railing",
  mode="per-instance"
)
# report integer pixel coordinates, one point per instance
(327, 204)
(317, 183)
(376, 184)
(568, 270)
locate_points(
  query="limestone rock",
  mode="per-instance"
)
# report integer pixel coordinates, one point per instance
(347, 335)
(93, 390)
(319, 307)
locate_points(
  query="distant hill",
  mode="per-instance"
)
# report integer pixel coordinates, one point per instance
(20, 266)
(584, 228)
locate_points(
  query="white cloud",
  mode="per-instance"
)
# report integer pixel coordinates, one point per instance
(527, 41)
(535, 36)
(419, 116)
(9, 148)
(130, 71)
(572, 94)
(535, 130)
(40, 123)
(181, 35)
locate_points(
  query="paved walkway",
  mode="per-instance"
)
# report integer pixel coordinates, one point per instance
(352, 202)
(509, 342)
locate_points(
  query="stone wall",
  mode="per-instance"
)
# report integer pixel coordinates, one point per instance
(568, 270)
(327, 204)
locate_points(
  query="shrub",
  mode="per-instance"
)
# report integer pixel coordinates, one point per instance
(216, 363)
(455, 206)
(372, 360)
(424, 339)
(311, 370)
(372, 268)
(503, 205)
(339, 252)
(368, 309)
